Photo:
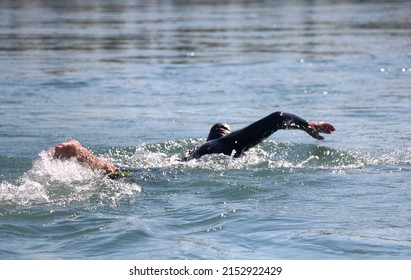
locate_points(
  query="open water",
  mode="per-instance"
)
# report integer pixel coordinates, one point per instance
(141, 82)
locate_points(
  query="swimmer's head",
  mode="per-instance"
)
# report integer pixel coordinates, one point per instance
(218, 130)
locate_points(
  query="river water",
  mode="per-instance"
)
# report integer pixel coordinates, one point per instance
(141, 82)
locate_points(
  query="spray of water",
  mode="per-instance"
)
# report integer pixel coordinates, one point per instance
(64, 182)
(58, 182)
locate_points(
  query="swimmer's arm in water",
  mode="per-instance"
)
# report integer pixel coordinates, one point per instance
(73, 149)
(216, 146)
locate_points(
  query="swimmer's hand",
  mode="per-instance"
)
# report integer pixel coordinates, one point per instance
(189, 155)
(315, 128)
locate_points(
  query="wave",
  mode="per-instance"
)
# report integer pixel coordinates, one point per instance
(57, 182)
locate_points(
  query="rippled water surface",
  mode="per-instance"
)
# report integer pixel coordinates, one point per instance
(141, 82)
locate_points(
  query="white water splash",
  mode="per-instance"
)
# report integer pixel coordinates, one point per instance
(64, 182)
(269, 155)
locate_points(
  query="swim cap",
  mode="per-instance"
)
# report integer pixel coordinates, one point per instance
(218, 130)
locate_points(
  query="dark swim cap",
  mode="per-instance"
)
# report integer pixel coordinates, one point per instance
(218, 130)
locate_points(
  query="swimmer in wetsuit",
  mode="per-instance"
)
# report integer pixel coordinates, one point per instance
(221, 140)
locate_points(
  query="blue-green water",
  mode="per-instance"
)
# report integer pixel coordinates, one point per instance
(140, 83)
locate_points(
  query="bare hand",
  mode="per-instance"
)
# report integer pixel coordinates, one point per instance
(315, 128)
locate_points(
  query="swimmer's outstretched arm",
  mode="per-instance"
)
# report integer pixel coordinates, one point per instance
(260, 130)
(73, 149)
(253, 134)
(246, 138)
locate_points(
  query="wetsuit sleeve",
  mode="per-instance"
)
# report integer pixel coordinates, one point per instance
(246, 138)
(209, 147)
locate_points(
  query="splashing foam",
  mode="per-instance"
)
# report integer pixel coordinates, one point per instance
(65, 182)
(23, 194)
(268, 154)
(62, 183)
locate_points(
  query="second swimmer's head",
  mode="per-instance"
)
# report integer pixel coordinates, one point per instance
(218, 130)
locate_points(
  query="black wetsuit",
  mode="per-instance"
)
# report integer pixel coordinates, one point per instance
(247, 137)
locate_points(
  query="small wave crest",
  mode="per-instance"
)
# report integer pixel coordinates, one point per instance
(62, 183)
